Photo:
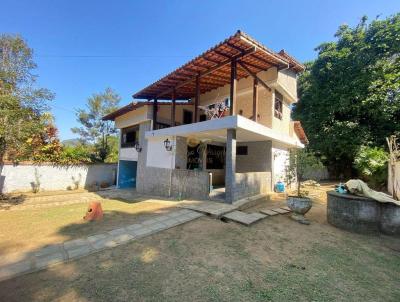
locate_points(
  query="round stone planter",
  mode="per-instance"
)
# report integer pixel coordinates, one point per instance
(390, 219)
(299, 207)
(362, 215)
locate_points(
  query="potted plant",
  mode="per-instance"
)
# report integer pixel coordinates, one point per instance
(301, 161)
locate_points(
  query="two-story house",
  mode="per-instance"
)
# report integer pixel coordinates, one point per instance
(217, 127)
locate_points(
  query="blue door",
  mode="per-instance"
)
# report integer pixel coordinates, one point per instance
(127, 174)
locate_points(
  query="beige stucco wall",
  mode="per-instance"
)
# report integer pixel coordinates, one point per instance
(133, 117)
(285, 78)
(164, 113)
(288, 80)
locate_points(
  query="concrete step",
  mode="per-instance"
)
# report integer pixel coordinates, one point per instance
(243, 218)
(275, 211)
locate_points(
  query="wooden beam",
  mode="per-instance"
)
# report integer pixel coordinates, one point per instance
(220, 53)
(155, 109)
(212, 69)
(255, 99)
(197, 98)
(261, 59)
(237, 48)
(233, 86)
(255, 66)
(173, 105)
(201, 66)
(211, 60)
(254, 75)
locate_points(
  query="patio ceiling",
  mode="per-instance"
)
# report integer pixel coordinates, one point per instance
(212, 68)
(215, 130)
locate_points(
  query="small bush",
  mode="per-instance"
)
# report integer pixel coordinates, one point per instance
(75, 155)
(371, 165)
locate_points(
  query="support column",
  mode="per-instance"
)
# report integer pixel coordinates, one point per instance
(230, 165)
(255, 99)
(197, 99)
(155, 109)
(142, 157)
(173, 105)
(233, 87)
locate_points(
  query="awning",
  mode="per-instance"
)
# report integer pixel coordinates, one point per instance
(212, 68)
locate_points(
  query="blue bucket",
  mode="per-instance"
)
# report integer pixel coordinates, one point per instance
(280, 187)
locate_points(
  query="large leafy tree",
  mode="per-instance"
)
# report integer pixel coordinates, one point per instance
(22, 104)
(350, 95)
(94, 130)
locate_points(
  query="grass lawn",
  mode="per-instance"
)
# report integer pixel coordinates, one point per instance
(27, 229)
(276, 259)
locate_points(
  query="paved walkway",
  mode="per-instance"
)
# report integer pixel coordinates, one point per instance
(217, 209)
(73, 249)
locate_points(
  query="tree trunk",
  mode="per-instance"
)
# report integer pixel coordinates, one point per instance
(298, 184)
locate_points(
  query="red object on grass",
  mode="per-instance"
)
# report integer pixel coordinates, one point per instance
(94, 212)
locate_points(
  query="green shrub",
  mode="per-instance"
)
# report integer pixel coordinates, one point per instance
(371, 165)
(75, 155)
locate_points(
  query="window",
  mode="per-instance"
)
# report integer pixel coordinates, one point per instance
(278, 105)
(241, 150)
(129, 136)
(215, 157)
(187, 117)
(161, 126)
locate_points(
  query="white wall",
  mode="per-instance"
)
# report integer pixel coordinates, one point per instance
(157, 156)
(128, 154)
(280, 157)
(19, 178)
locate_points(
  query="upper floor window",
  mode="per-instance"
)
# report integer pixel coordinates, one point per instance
(129, 136)
(278, 106)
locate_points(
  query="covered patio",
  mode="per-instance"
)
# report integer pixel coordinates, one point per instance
(247, 163)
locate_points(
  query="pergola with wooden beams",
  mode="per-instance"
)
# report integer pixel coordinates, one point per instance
(235, 58)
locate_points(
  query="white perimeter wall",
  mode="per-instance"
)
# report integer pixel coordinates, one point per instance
(157, 156)
(19, 178)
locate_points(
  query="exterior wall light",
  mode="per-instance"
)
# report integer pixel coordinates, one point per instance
(137, 147)
(168, 145)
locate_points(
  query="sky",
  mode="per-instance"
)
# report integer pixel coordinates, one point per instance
(82, 47)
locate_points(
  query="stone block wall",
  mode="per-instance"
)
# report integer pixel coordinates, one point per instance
(258, 158)
(251, 183)
(184, 184)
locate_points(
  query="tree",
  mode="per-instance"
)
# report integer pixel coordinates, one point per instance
(94, 130)
(22, 105)
(301, 162)
(350, 95)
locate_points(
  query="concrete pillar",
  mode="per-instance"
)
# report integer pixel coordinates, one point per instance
(180, 152)
(142, 156)
(230, 165)
(270, 165)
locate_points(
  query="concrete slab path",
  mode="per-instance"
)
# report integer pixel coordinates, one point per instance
(244, 218)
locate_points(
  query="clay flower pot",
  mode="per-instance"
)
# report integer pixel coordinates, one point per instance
(299, 207)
